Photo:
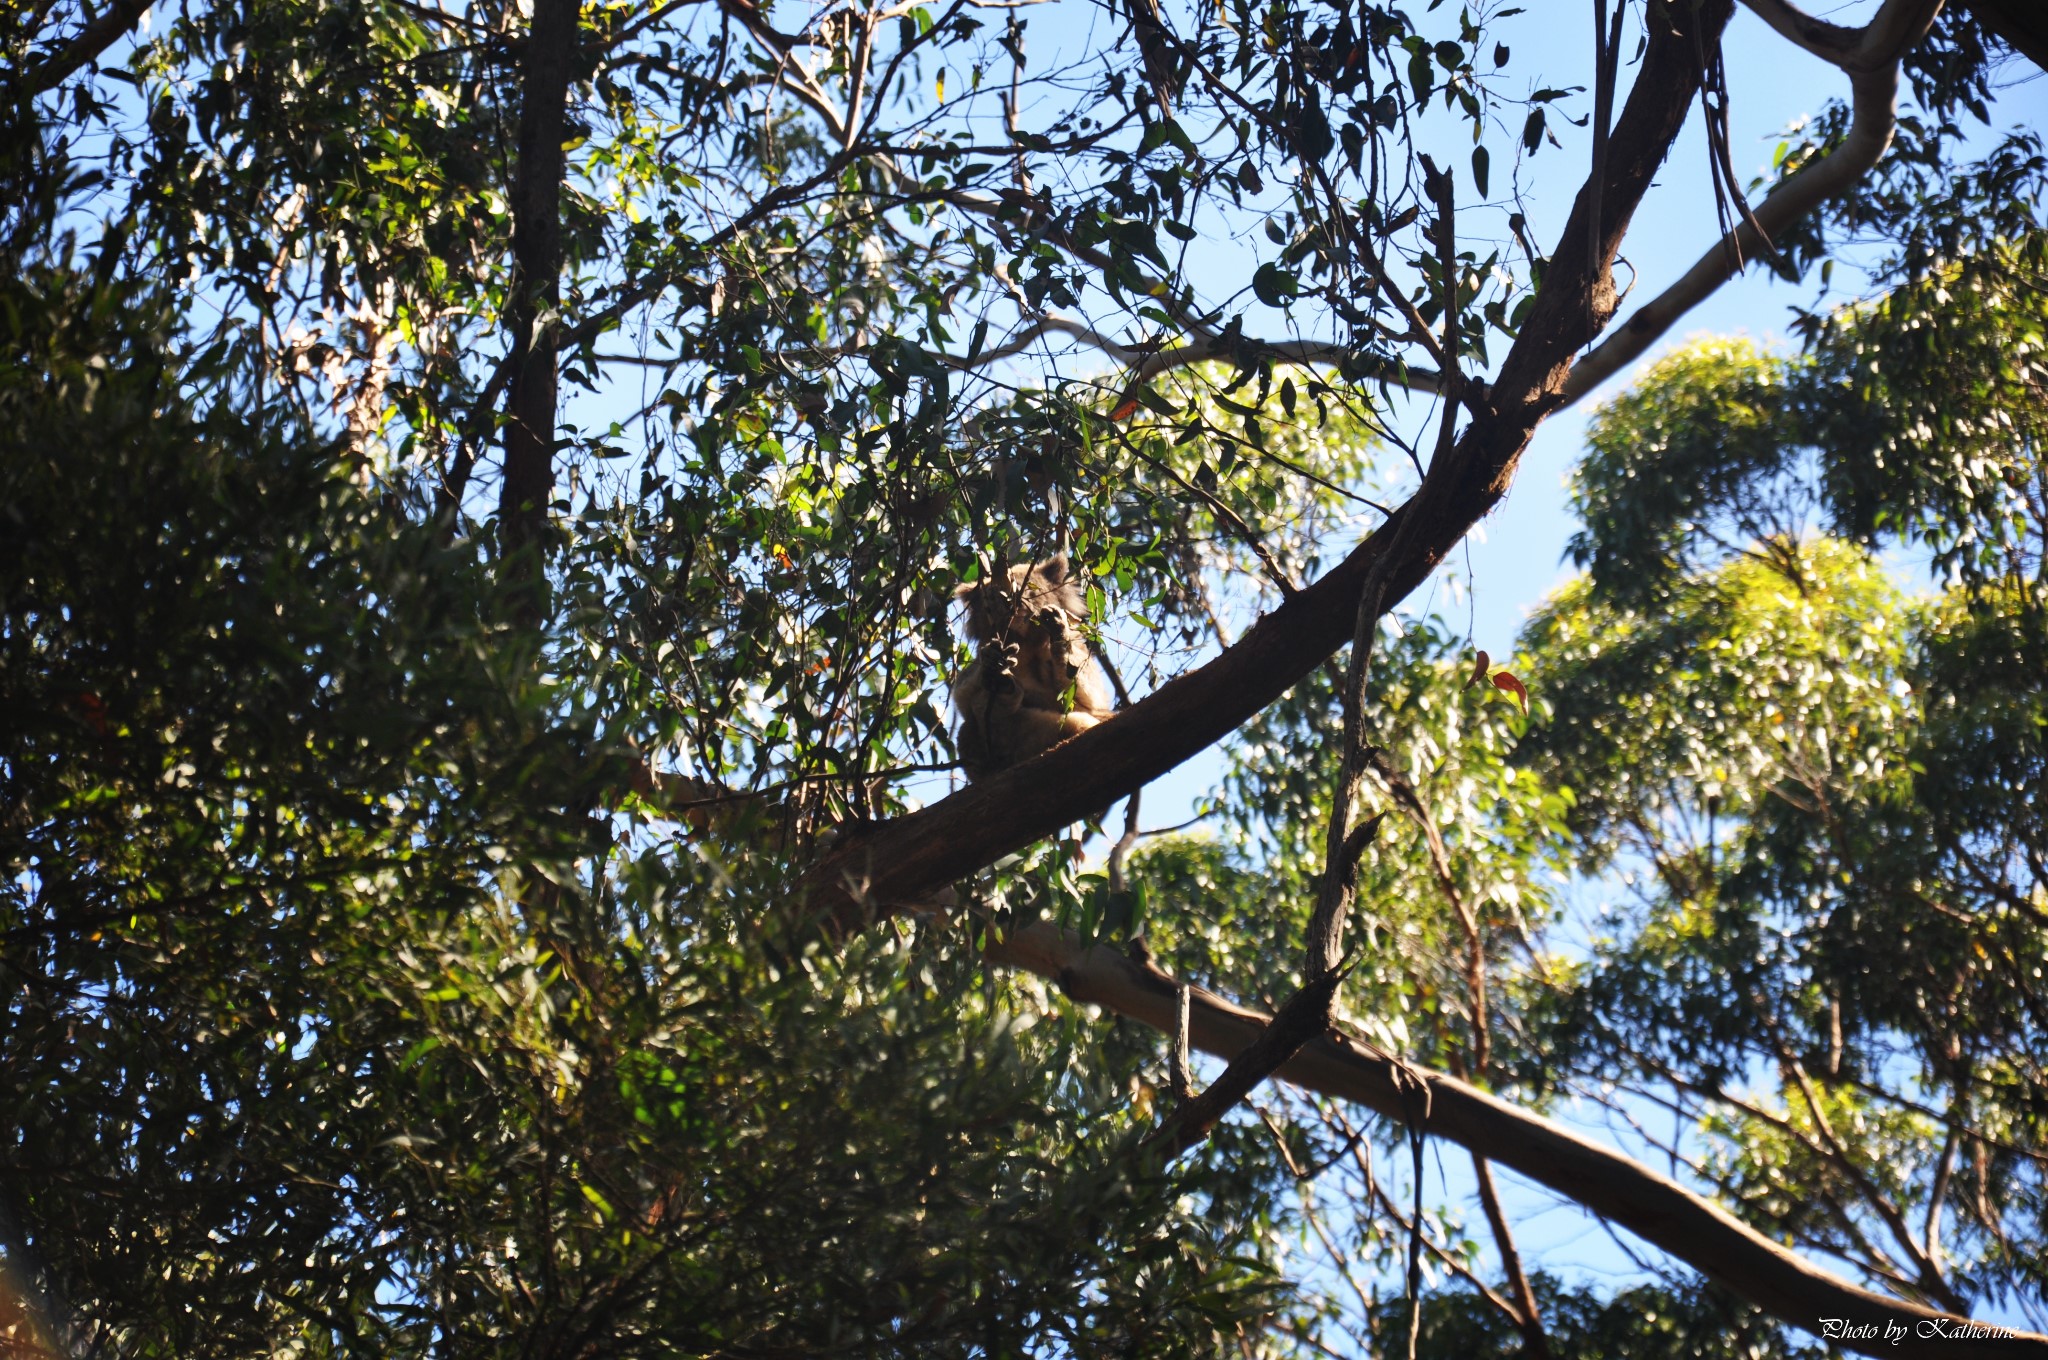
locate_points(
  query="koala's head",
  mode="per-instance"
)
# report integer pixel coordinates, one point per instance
(1009, 607)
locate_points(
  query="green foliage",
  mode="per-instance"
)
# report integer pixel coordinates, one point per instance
(1823, 793)
(1917, 418)
(360, 1001)
(1446, 742)
(352, 1029)
(1753, 676)
(1711, 420)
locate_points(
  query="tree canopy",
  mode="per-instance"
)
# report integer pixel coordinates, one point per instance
(488, 872)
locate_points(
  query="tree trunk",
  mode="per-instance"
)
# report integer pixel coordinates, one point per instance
(536, 293)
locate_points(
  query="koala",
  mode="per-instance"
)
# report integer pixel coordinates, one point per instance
(1032, 683)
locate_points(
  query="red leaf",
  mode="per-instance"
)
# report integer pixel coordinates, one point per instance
(1125, 409)
(1479, 670)
(1507, 681)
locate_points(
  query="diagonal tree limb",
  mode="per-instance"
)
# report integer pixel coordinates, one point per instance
(898, 863)
(894, 864)
(902, 862)
(1606, 1182)
(1859, 51)
(881, 869)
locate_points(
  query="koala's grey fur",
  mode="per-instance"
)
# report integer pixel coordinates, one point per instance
(1033, 682)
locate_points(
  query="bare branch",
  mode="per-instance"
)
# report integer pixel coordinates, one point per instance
(1859, 51)
(1529, 1319)
(1306, 352)
(1051, 325)
(1183, 1081)
(1832, 43)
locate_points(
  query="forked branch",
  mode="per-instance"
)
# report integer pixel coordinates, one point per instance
(1870, 57)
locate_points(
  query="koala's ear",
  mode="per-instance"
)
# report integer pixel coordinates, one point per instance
(1053, 570)
(975, 599)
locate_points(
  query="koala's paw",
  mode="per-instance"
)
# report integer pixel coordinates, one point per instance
(1058, 624)
(1002, 671)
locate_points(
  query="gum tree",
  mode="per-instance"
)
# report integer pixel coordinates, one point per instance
(560, 425)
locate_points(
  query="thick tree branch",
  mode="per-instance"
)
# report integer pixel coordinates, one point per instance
(1618, 1188)
(1859, 51)
(893, 865)
(114, 23)
(2022, 24)
(900, 863)
(1870, 56)
(1830, 42)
